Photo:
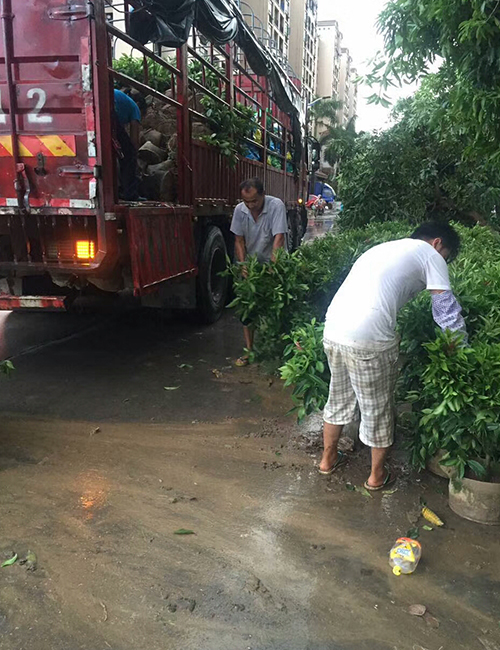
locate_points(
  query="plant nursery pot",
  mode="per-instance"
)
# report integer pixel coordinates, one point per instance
(434, 465)
(475, 500)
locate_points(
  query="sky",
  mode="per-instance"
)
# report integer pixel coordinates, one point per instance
(356, 19)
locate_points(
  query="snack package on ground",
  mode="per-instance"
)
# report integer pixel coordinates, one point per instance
(405, 556)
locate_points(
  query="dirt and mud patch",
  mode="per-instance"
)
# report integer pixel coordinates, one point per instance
(213, 536)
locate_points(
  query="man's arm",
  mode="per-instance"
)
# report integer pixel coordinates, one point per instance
(135, 133)
(447, 312)
(239, 248)
(278, 242)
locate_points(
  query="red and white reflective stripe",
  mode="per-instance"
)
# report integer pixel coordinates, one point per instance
(9, 303)
(88, 98)
(11, 202)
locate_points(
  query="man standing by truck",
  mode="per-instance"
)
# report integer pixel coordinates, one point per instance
(128, 115)
(361, 344)
(259, 225)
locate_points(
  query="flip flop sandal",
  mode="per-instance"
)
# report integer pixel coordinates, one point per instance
(242, 362)
(341, 460)
(389, 480)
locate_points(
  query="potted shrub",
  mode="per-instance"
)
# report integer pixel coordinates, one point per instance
(459, 405)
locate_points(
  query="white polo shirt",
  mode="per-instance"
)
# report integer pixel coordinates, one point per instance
(384, 279)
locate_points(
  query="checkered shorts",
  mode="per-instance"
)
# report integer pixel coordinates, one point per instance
(363, 383)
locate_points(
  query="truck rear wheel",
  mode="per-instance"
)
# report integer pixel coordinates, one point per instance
(211, 287)
(293, 230)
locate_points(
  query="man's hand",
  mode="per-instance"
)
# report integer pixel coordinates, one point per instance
(240, 252)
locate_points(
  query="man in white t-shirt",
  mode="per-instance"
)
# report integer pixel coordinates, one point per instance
(362, 346)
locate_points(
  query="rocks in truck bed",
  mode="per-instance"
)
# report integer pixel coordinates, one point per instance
(152, 154)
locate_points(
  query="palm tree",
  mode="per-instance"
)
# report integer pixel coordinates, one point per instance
(335, 140)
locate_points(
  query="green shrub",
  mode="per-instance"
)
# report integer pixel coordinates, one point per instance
(455, 391)
(132, 66)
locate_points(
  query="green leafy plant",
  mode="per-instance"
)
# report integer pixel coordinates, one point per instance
(306, 368)
(6, 367)
(159, 77)
(231, 128)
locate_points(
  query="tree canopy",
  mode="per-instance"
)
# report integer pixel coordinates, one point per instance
(441, 159)
(462, 39)
(416, 170)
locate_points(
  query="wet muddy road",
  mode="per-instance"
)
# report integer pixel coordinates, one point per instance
(100, 466)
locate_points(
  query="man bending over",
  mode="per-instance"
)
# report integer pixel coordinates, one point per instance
(362, 346)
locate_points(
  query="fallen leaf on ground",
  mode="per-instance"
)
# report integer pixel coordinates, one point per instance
(171, 387)
(417, 610)
(413, 533)
(10, 561)
(350, 487)
(184, 531)
(187, 366)
(362, 490)
(427, 527)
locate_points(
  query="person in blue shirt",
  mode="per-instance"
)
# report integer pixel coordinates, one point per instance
(128, 116)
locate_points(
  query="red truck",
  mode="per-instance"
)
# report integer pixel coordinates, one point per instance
(64, 233)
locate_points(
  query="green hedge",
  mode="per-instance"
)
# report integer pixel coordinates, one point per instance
(455, 391)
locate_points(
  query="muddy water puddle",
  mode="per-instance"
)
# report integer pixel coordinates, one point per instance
(279, 558)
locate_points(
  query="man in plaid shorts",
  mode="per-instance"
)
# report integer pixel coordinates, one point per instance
(362, 346)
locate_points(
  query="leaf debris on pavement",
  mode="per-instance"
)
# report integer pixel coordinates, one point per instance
(186, 366)
(413, 533)
(184, 531)
(10, 561)
(171, 387)
(427, 527)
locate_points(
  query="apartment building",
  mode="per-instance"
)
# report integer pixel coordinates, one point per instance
(336, 75)
(270, 22)
(329, 53)
(303, 47)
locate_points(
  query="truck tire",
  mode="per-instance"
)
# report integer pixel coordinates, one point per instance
(303, 220)
(293, 230)
(211, 287)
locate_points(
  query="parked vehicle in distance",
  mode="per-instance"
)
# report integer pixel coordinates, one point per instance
(327, 192)
(310, 201)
